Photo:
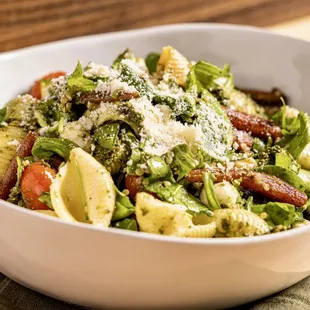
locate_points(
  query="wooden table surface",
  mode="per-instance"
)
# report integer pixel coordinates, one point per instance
(29, 22)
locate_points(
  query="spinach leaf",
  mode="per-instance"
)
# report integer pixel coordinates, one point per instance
(279, 213)
(282, 213)
(286, 175)
(128, 224)
(45, 148)
(159, 170)
(296, 134)
(134, 78)
(301, 138)
(123, 206)
(204, 76)
(208, 188)
(185, 159)
(127, 54)
(137, 158)
(107, 135)
(77, 82)
(183, 107)
(217, 137)
(289, 125)
(151, 61)
(177, 194)
(305, 176)
(285, 160)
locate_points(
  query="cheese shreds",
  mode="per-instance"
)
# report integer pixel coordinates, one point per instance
(157, 126)
(99, 71)
(14, 142)
(113, 87)
(159, 134)
(132, 65)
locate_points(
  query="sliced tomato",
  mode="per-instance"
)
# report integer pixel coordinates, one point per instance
(36, 179)
(36, 88)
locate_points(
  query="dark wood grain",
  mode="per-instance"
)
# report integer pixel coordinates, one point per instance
(29, 22)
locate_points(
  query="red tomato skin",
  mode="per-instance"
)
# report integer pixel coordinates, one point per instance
(36, 179)
(134, 184)
(36, 88)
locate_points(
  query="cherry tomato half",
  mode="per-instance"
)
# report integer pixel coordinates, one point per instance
(36, 88)
(134, 184)
(36, 179)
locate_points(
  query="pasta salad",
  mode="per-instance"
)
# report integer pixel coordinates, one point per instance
(161, 145)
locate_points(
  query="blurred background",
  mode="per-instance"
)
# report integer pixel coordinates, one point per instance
(28, 22)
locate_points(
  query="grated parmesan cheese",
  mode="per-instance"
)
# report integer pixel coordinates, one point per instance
(160, 134)
(94, 70)
(14, 142)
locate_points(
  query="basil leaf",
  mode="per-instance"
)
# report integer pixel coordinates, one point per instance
(77, 82)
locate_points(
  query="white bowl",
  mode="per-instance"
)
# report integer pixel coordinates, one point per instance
(114, 268)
